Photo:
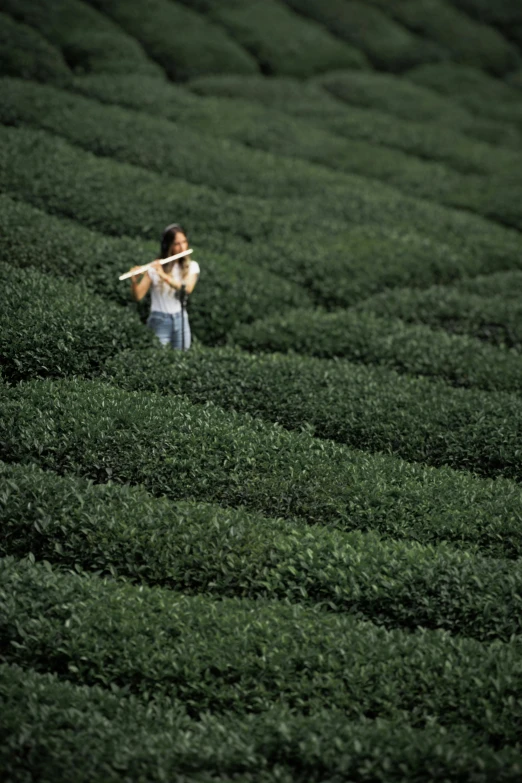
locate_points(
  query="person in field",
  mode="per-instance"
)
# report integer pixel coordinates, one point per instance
(169, 283)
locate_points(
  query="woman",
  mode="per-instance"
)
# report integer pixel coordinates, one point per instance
(166, 282)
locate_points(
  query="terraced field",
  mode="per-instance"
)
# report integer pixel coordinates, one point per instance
(292, 553)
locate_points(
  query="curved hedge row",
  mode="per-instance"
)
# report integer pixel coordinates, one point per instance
(201, 47)
(463, 39)
(123, 532)
(428, 110)
(119, 133)
(506, 284)
(249, 656)
(283, 43)
(505, 14)
(25, 53)
(203, 453)
(89, 41)
(230, 291)
(158, 741)
(368, 338)
(474, 90)
(370, 408)
(41, 169)
(54, 328)
(388, 45)
(274, 131)
(494, 319)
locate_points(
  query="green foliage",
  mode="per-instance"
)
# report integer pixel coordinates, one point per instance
(492, 318)
(230, 290)
(353, 225)
(463, 39)
(25, 53)
(184, 153)
(249, 656)
(54, 328)
(199, 548)
(89, 41)
(183, 42)
(282, 42)
(107, 735)
(388, 45)
(202, 453)
(505, 14)
(483, 95)
(388, 342)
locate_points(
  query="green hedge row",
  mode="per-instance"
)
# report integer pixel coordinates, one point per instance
(25, 53)
(313, 109)
(89, 41)
(108, 736)
(463, 39)
(184, 43)
(493, 318)
(506, 284)
(344, 260)
(54, 328)
(230, 291)
(365, 337)
(196, 548)
(193, 452)
(475, 91)
(505, 14)
(388, 45)
(119, 133)
(386, 98)
(249, 656)
(370, 408)
(283, 43)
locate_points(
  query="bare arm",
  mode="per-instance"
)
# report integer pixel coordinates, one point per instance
(139, 288)
(189, 281)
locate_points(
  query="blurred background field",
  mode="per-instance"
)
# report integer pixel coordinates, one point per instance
(292, 553)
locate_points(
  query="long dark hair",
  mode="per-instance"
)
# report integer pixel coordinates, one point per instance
(167, 239)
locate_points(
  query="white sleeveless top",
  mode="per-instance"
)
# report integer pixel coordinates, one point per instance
(163, 297)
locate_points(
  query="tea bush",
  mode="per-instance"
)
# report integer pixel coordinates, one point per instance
(24, 52)
(54, 328)
(184, 153)
(230, 291)
(191, 452)
(249, 656)
(388, 45)
(40, 169)
(183, 42)
(370, 408)
(504, 14)
(89, 41)
(474, 90)
(492, 318)
(200, 548)
(368, 338)
(158, 741)
(283, 43)
(464, 40)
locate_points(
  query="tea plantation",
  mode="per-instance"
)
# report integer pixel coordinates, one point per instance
(294, 552)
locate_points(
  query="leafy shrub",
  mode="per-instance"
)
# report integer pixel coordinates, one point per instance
(25, 53)
(183, 42)
(494, 319)
(505, 14)
(282, 42)
(192, 452)
(230, 290)
(474, 90)
(158, 741)
(249, 656)
(118, 133)
(88, 40)
(41, 169)
(464, 40)
(123, 532)
(54, 328)
(388, 45)
(368, 338)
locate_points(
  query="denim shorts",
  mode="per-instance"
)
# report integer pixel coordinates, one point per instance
(167, 328)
